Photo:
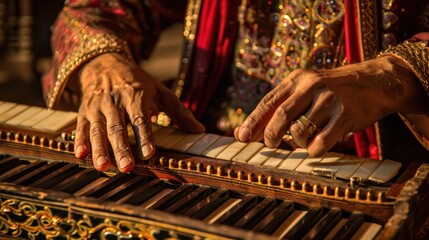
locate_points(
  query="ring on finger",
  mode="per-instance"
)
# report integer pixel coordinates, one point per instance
(308, 124)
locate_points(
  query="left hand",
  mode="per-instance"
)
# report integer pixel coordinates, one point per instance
(337, 101)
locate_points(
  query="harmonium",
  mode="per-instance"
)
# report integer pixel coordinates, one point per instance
(198, 186)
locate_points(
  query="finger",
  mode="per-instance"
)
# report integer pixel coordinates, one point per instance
(82, 145)
(181, 116)
(317, 115)
(254, 125)
(118, 135)
(143, 132)
(99, 144)
(328, 136)
(137, 108)
(282, 118)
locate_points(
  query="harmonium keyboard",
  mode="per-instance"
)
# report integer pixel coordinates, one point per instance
(198, 186)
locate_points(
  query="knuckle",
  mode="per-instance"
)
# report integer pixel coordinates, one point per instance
(269, 100)
(115, 128)
(140, 121)
(282, 112)
(97, 131)
(121, 151)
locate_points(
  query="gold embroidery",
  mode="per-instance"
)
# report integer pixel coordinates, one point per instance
(89, 47)
(368, 30)
(189, 33)
(415, 55)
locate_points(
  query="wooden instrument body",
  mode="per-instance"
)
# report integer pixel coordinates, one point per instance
(399, 206)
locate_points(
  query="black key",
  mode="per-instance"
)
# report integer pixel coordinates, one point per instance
(56, 176)
(38, 173)
(8, 163)
(351, 226)
(208, 204)
(305, 223)
(275, 218)
(325, 225)
(124, 188)
(172, 197)
(251, 218)
(189, 200)
(108, 185)
(143, 193)
(77, 181)
(237, 212)
(20, 171)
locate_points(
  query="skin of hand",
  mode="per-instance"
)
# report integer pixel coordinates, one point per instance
(114, 93)
(337, 101)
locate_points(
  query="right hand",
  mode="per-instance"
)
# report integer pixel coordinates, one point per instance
(115, 92)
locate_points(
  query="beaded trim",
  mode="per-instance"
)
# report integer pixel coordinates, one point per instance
(415, 55)
(88, 47)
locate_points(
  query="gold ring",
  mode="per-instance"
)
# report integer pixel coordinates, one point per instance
(308, 124)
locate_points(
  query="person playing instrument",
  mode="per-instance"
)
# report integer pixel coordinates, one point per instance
(319, 70)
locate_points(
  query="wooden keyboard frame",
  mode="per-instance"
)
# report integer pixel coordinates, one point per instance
(398, 205)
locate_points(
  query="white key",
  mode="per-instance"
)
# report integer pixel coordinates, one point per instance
(288, 224)
(231, 150)
(264, 154)
(39, 116)
(172, 139)
(294, 159)
(67, 119)
(349, 167)
(162, 133)
(329, 165)
(221, 210)
(218, 146)
(309, 164)
(6, 106)
(187, 142)
(156, 198)
(205, 142)
(274, 161)
(248, 152)
(56, 121)
(26, 114)
(386, 171)
(366, 168)
(336, 229)
(367, 231)
(12, 112)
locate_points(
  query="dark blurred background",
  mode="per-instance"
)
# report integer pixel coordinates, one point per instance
(24, 47)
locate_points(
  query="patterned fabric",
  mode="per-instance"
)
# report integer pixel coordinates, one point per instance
(85, 29)
(274, 38)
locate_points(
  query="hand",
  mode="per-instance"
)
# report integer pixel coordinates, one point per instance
(115, 92)
(337, 101)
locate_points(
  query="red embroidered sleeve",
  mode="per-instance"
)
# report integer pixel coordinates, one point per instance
(87, 28)
(415, 53)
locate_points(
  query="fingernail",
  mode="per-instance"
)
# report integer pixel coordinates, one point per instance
(101, 161)
(146, 150)
(125, 162)
(244, 134)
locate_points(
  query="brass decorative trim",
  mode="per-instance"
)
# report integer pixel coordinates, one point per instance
(368, 28)
(89, 47)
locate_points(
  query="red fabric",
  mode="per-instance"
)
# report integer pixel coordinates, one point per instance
(365, 141)
(214, 45)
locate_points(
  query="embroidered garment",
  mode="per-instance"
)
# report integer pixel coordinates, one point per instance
(236, 51)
